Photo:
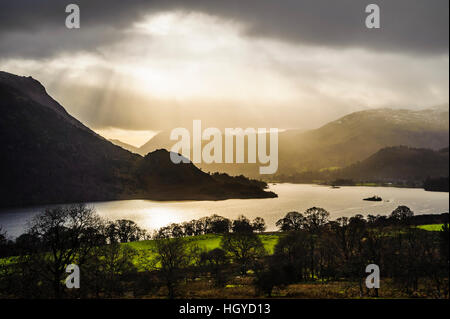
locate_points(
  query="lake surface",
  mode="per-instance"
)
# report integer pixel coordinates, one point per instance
(344, 201)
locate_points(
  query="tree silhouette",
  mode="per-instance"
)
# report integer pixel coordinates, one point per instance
(243, 247)
(292, 221)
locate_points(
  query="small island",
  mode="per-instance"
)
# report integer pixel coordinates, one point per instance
(374, 198)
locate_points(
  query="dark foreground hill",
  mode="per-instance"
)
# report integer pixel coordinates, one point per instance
(126, 146)
(50, 157)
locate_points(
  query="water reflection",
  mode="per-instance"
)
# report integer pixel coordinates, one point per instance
(345, 201)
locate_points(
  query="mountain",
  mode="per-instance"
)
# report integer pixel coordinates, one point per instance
(342, 142)
(358, 135)
(51, 157)
(438, 184)
(400, 163)
(158, 175)
(160, 140)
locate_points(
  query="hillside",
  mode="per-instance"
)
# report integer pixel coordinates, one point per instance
(160, 140)
(436, 184)
(164, 180)
(400, 163)
(340, 143)
(358, 135)
(50, 157)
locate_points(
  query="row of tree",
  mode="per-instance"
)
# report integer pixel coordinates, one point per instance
(211, 225)
(311, 247)
(315, 248)
(34, 265)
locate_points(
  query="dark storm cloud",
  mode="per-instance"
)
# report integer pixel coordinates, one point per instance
(406, 25)
(36, 28)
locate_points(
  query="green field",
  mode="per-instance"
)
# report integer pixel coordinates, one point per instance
(209, 242)
(431, 227)
(145, 248)
(212, 241)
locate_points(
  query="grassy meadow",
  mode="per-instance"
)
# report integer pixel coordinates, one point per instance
(431, 227)
(211, 241)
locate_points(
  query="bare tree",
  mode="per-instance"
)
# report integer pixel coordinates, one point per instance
(242, 225)
(66, 235)
(216, 261)
(259, 225)
(107, 270)
(124, 230)
(173, 257)
(315, 220)
(292, 221)
(243, 248)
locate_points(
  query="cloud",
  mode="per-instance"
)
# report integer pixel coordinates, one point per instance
(158, 65)
(32, 28)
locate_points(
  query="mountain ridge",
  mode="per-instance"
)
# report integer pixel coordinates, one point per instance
(397, 165)
(405, 163)
(126, 146)
(342, 142)
(50, 157)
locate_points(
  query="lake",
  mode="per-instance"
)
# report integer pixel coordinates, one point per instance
(344, 201)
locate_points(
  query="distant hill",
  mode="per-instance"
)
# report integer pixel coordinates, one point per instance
(399, 163)
(436, 184)
(160, 140)
(340, 143)
(50, 157)
(358, 135)
(163, 179)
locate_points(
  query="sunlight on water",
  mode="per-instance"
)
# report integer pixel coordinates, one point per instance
(345, 201)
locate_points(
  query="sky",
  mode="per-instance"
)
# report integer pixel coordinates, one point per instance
(138, 67)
